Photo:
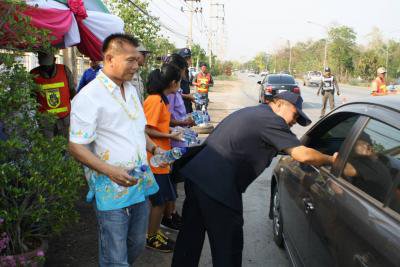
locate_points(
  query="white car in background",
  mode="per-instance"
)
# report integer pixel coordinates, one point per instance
(312, 78)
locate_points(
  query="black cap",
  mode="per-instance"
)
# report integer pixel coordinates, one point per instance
(185, 52)
(327, 69)
(297, 101)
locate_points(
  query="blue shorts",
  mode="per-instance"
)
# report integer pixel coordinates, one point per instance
(165, 193)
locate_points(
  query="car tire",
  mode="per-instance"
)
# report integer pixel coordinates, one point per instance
(277, 225)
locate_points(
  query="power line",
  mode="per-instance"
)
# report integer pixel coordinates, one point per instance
(182, 36)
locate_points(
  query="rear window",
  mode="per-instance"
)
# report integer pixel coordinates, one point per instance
(281, 80)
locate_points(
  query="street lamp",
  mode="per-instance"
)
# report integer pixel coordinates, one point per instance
(326, 41)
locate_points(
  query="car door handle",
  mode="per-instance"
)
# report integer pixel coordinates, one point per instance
(362, 260)
(308, 205)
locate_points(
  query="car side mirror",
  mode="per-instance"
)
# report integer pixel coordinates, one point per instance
(259, 82)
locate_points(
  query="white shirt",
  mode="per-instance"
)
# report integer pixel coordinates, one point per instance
(114, 128)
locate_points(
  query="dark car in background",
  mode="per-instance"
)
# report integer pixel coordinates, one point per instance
(347, 214)
(273, 84)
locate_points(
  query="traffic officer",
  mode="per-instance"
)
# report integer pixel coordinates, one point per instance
(327, 88)
(203, 82)
(379, 84)
(57, 90)
(233, 156)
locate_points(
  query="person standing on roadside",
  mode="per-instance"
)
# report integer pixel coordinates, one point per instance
(327, 88)
(137, 79)
(186, 53)
(89, 74)
(108, 136)
(57, 90)
(233, 156)
(379, 84)
(203, 82)
(161, 83)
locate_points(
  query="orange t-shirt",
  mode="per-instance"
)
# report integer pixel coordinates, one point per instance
(158, 117)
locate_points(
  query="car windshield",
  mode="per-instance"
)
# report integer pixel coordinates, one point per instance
(281, 80)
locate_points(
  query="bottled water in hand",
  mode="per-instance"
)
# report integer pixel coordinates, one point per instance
(188, 135)
(167, 157)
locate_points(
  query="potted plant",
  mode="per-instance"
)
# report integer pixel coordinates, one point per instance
(39, 182)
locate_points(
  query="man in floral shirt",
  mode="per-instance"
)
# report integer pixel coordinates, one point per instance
(107, 135)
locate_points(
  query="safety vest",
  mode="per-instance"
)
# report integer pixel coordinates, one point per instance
(54, 96)
(327, 83)
(380, 85)
(204, 81)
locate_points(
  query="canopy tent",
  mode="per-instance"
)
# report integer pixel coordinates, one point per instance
(81, 23)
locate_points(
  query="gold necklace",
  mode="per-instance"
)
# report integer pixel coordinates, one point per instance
(108, 86)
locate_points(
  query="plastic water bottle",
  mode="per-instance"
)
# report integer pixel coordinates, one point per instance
(139, 172)
(206, 117)
(197, 117)
(198, 99)
(168, 157)
(188, 135)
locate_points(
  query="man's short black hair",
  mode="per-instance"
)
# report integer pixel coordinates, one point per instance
(119, 38)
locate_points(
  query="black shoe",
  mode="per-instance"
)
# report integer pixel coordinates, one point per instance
(177, 218)
(159, 243)
(170, 223)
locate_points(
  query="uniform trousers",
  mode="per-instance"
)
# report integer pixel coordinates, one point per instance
(224, 227)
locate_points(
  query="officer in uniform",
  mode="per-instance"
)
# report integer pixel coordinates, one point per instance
(186, 53)
(57, 91)
(233, 156)
(137, 79)
(327, 88)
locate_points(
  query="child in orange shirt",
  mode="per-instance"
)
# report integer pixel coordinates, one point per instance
(162, 82)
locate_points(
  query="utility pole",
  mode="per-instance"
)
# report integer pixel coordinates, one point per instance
(210, 30)
(191, 11)
(219, 44)
(290, 57)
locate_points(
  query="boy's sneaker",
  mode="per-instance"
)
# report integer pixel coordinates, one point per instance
(159, 243)
(171, 223)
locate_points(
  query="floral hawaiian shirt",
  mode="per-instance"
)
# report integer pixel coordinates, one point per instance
(113, 129)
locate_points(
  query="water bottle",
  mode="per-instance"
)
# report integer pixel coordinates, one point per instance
(197, 117)
(139, 172)
(167, 157)
(206, 117)
(190, 137)
(198, 99)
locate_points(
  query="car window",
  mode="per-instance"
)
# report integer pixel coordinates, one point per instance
(281, 80)
(274, 80)
(287, 80)
(332, 137)
(374, 163)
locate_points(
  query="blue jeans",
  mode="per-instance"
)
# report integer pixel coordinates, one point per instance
(122, 234)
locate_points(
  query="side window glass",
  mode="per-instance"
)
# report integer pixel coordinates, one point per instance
(333, 137)
(374, 163)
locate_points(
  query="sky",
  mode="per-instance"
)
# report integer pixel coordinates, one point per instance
(254, 26)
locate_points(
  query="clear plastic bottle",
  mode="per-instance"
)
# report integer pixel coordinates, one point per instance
(167, 157)
(198, 117)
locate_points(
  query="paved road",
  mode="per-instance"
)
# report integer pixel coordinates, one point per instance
(259, 249)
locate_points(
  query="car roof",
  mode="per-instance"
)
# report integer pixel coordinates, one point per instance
(388, 101)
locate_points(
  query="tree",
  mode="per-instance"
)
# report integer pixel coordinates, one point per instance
(342, 49)
(136, 23)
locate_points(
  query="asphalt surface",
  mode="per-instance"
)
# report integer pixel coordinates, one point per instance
(259, 248)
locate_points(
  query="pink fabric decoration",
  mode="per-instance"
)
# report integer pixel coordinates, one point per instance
(56, 20)
(78, 8)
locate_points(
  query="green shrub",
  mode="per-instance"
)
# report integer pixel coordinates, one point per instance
(39, 182)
